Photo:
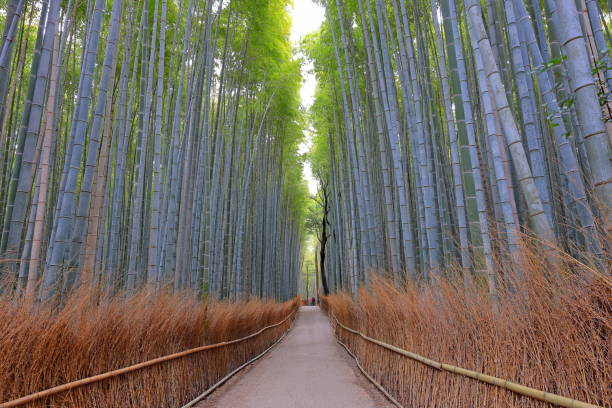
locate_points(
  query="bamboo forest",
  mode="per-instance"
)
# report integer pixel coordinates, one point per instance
(361, 203)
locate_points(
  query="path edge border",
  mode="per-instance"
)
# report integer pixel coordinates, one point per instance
(222, 381)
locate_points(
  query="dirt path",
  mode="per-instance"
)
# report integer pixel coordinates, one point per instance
(308, 369)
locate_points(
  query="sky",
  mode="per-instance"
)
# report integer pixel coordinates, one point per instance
(307, 17)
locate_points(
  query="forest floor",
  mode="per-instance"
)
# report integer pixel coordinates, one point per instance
(308, 369)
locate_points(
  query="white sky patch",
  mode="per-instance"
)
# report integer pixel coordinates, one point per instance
(305, 147)
(307, 17)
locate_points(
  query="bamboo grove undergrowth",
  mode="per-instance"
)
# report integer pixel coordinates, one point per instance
(555, 340)
(449, 133)
(149, 144)
(96, 332)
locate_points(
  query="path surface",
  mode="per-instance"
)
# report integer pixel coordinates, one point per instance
(308, 369)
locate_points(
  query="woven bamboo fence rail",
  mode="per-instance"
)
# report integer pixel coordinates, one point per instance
(498, 382)
(126, 370)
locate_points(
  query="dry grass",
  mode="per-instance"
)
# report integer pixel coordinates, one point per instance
(553, 333)
(40, 349)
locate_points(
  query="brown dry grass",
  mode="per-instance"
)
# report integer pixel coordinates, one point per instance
(40, 348)
(553, 333)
